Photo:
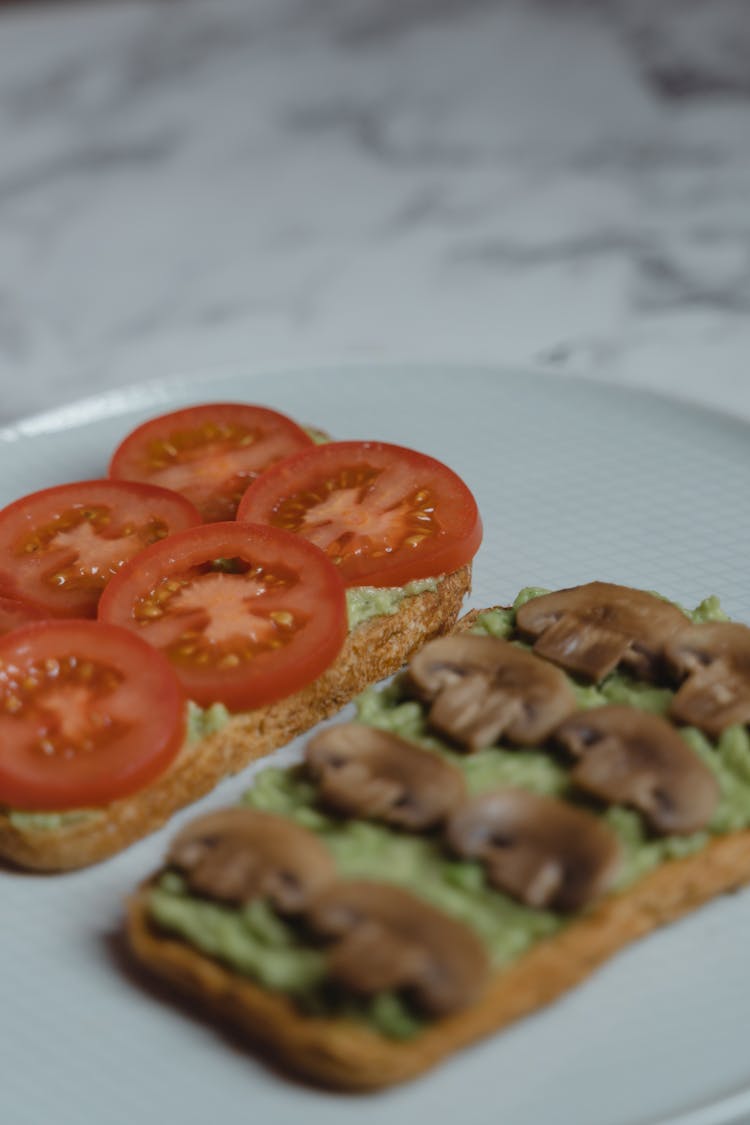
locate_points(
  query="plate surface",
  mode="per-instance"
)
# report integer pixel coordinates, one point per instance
(575, 481)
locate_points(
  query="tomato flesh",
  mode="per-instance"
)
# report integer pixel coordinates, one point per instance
(208, 453)
(60, 547)
(258, 624)
(88, 713)
(385, 515)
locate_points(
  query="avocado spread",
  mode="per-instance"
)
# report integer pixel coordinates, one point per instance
(364, 602)
(51, 821)
(278, 956)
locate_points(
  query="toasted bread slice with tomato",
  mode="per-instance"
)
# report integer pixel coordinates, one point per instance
(373, 650)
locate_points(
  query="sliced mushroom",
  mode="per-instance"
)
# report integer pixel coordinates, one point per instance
(387, 939)
(632, 758)
(590, 630)
(362, 771)
(540, 850)
(715, 658)
(239, 854)
(484, 687)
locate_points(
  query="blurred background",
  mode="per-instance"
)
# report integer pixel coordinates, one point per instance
(238, 183)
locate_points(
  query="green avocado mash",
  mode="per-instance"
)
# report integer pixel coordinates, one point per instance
(203, 721)
(320, 437)
(419, 863)
(364, 602)
(51, 821)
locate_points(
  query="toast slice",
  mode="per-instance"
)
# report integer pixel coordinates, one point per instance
(374, 649)
(345, 1053)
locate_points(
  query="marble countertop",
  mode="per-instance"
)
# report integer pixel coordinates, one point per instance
(547, 184)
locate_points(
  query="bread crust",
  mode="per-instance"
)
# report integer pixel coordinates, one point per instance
(346, 1055)
(373, 650)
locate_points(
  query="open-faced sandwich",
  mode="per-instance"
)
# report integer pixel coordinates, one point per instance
(539, 788)
(156, 638)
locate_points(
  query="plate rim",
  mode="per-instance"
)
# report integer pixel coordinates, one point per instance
(118, 400)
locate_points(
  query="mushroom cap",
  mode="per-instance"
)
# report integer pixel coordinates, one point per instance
(540, 850)
(388, 939)
(589, 630)
(633, 758)
(715, 659)
(239, 854)
(482, 688)
(363, 771)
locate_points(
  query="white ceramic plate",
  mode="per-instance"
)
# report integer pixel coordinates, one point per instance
(575, 481)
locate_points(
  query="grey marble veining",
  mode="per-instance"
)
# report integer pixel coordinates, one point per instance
(564, 184)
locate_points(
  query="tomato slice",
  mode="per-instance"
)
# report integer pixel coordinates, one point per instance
(13, 614)
(246, 614)
(383, 514)
(208, 453)
(59, 547)
(88, 713)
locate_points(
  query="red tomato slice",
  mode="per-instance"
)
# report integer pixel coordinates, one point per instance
(258, 624)
(13, 614)
(88, 713)
(59, 547)
(384, 514)
(208, 453)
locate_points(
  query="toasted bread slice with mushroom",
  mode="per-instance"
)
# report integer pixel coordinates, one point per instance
(374, 649)
(669, 787)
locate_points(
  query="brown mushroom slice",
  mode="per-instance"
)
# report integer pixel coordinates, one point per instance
(482, 688)
(240, 854)
(540, 850)
(387, 939)
(590, 630)
(715, 658)
(362, 771)
(632, 758)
